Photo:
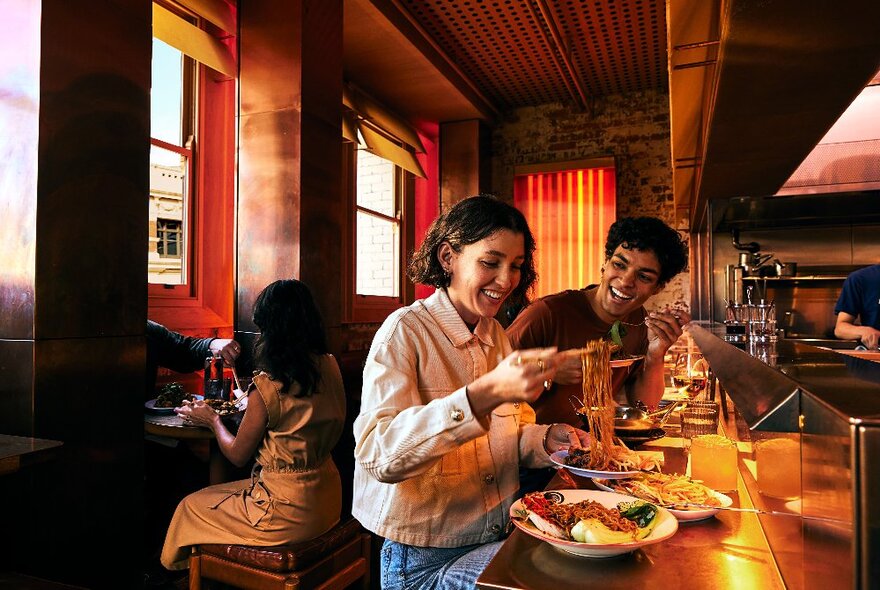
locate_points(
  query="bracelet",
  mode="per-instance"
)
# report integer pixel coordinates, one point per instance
(544, 440)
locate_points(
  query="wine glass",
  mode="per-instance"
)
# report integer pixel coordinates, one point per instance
(691, 373)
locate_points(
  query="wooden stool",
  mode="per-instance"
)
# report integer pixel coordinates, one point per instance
(336, 559)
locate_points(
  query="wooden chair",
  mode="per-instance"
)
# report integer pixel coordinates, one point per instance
(335, 560)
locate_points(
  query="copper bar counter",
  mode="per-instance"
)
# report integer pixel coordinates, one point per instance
(726, 551)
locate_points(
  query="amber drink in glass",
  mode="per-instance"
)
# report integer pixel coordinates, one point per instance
(778, 468)
(713, 461)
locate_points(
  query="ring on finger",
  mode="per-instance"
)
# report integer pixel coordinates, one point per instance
(541, 365)
(518, 361)
(547, 384)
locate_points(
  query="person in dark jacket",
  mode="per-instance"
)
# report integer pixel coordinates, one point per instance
(180, 353)
(171, 469)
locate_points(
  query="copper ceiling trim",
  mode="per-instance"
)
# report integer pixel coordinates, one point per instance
(566, 68)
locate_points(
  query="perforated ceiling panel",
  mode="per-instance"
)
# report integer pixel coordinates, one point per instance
(508, 49)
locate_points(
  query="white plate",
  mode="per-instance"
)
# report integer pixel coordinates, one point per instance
(683, 515)
(151, 406)
(665, 527)
(559, 458)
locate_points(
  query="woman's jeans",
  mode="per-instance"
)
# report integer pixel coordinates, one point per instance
(405, 567)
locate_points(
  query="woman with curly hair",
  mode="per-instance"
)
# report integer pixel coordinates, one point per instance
(294, 417)
(445, 420)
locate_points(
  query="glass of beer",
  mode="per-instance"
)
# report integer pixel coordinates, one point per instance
(778, 463)
(713, 461)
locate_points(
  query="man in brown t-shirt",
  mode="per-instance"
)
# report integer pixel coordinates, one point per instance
(641, 255)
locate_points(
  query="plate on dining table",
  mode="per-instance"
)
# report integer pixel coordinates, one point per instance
(682, 514)
(152, 407)
(664, 528)
(559, 459)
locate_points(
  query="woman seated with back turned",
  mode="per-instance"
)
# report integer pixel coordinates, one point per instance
(445, 420)
(294, 417)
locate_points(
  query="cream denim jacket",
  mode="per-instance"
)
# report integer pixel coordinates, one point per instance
(427, 471)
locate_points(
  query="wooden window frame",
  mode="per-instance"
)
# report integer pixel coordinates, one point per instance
(205, 305)
(375, 308)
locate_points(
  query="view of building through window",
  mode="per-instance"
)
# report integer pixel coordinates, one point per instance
(378, 227)
(170, 122)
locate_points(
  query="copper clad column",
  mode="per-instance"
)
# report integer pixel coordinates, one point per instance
(74, 114)
(290, 206)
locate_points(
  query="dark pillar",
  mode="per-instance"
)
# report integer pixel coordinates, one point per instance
(465, 159)
(74, 106)
(290, 206)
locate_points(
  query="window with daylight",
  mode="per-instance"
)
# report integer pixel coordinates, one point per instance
(378, 227)
(569, 207)
(379, 171)
(172, 127)
(192, 165)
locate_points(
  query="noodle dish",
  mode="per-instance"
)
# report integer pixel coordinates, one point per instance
(590, 523)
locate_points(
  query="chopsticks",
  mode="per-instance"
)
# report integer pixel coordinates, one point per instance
(235, 376)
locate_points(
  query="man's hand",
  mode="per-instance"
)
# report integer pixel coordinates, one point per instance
(870, 337)
(226, 348)
(664, 328)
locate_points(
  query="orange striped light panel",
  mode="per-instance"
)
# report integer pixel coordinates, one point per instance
(569, 213)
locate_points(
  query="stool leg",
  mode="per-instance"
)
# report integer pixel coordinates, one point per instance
(366, 552)
(195, 570)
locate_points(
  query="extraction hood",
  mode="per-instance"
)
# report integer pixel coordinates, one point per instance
(770, 212)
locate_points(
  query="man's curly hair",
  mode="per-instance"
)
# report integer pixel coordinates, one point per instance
(650, 234)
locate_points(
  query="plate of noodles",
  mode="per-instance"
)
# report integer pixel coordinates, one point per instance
(578, 460)
(670, 491)
(588, 523)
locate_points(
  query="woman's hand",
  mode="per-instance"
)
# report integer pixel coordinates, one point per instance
(570, 367)
(198, 413)
(565, 436)
(521, 377)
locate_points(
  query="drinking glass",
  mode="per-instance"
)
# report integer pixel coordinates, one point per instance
(699, 418)
(713, 461)
(691, 372)
(778, 463)
(762, 322)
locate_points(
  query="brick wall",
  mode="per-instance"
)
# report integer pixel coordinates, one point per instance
(633, 128)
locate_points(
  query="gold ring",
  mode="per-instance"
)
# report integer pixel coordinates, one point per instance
(541, 365)
(518, 361)
(547, 384)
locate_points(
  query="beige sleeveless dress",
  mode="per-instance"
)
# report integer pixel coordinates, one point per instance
(294, 493)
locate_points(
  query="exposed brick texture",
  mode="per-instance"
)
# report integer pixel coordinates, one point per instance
(633, 128)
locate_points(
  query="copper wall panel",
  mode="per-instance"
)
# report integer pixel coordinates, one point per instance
(94, 160)
(290, 153)
(268, 205)
(88, 394)
(16, 395)
(74, 288)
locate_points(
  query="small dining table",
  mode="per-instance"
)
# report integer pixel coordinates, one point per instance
(20, 451)
(170, 425)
